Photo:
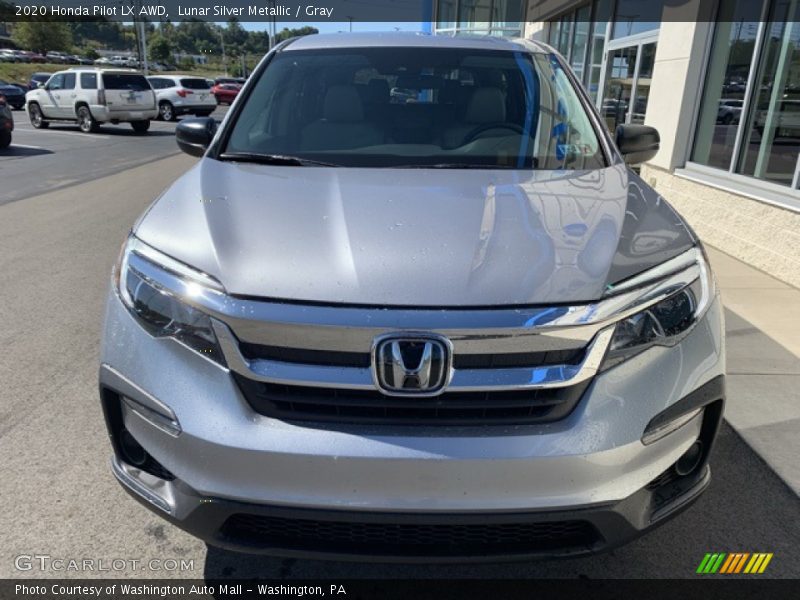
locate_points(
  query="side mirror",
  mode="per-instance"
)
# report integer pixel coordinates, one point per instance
(637, 143)
(195, 135)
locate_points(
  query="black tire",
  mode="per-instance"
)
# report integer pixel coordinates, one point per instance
(167, 112)
(5, 139)
(140, 126)
(86, 121)
(37, 118)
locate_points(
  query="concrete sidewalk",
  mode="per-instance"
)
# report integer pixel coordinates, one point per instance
(763, 344)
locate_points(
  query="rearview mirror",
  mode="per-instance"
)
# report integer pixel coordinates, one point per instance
(637, 143)
(195, 135)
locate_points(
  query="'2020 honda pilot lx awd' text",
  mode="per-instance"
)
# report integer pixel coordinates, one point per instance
(450, 324)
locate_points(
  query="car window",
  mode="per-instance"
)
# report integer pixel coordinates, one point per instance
(416, 107)
(124, 81)
(56, 82)
(195, 84)
(89, 81)
(69, 81)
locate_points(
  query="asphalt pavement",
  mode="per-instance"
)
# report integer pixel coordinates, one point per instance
(41, 160)
(57, 495)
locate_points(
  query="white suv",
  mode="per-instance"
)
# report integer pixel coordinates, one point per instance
(92, 97)
(181, 94)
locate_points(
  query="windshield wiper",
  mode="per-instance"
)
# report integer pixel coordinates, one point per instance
(273, 159)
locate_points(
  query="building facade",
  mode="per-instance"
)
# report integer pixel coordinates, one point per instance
(719, 79)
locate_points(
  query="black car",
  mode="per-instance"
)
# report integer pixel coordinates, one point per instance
(6, 123)
(14, 94)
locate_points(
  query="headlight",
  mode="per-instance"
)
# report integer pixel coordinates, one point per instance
(160, 310)
(664, 323)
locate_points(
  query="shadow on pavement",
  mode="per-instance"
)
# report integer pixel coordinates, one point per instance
(747, 508)
(18, 151)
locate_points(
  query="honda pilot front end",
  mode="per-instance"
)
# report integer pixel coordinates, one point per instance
(449, 324)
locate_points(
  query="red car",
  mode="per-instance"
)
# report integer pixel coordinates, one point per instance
(225, 93)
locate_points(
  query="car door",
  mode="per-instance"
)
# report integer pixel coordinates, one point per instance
(65, 99)
(47, 99)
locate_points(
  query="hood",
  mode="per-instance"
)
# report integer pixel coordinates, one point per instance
(414, 237)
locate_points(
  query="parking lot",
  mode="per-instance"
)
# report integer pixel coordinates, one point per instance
(66, 202)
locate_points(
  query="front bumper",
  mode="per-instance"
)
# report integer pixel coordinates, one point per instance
(590, 467)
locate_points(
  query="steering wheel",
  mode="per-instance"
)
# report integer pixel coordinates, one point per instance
(475, 133)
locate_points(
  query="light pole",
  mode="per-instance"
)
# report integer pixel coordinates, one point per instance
(224, 58)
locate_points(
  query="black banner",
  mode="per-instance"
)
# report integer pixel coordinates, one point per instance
(339, 11)
(731, 588)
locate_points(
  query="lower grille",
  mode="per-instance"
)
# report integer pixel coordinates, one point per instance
(303, 403)
(410, 539)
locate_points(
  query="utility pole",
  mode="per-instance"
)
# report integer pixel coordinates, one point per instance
(143, 38)
(224, 58)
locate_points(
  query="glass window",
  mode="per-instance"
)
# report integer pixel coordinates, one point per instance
(726, 81)
(635, 16)
(446, 14)
(580, 40)
(195, 83)
(56, 82)
(602, 15)
(566, 34)
(474, 14)
(772, 137)
(133, 82)
(89, 81)
(420, 107)
(620, 72)
(69, 81)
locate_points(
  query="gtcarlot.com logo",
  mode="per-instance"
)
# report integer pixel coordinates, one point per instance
(45, 562)
(734, 563)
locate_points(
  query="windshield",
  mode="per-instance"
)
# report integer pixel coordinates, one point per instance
(416, 107)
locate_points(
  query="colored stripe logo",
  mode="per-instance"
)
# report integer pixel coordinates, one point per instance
(734, 563)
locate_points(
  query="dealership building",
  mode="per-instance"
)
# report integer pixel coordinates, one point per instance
(719, 79)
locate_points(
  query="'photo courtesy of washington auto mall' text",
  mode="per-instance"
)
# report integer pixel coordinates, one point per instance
(399, 299)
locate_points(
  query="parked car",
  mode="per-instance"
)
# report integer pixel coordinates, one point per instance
(441, 329)
(92, 97)
(38, 79)
(6, 123)
(182, 94)
(33, 57)
(14, 94)
(56, 57)
(730, 110)
(225, 93)
(8, 55)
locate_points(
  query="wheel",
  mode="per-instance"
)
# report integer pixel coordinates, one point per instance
(166, 111)
(37, 118)
(140, 126)
(86, 121)
(5, 139)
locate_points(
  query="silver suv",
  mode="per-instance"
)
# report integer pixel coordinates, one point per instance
(449, 324)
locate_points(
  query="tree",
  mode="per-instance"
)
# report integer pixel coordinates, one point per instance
(160, 49)
(42, 36)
